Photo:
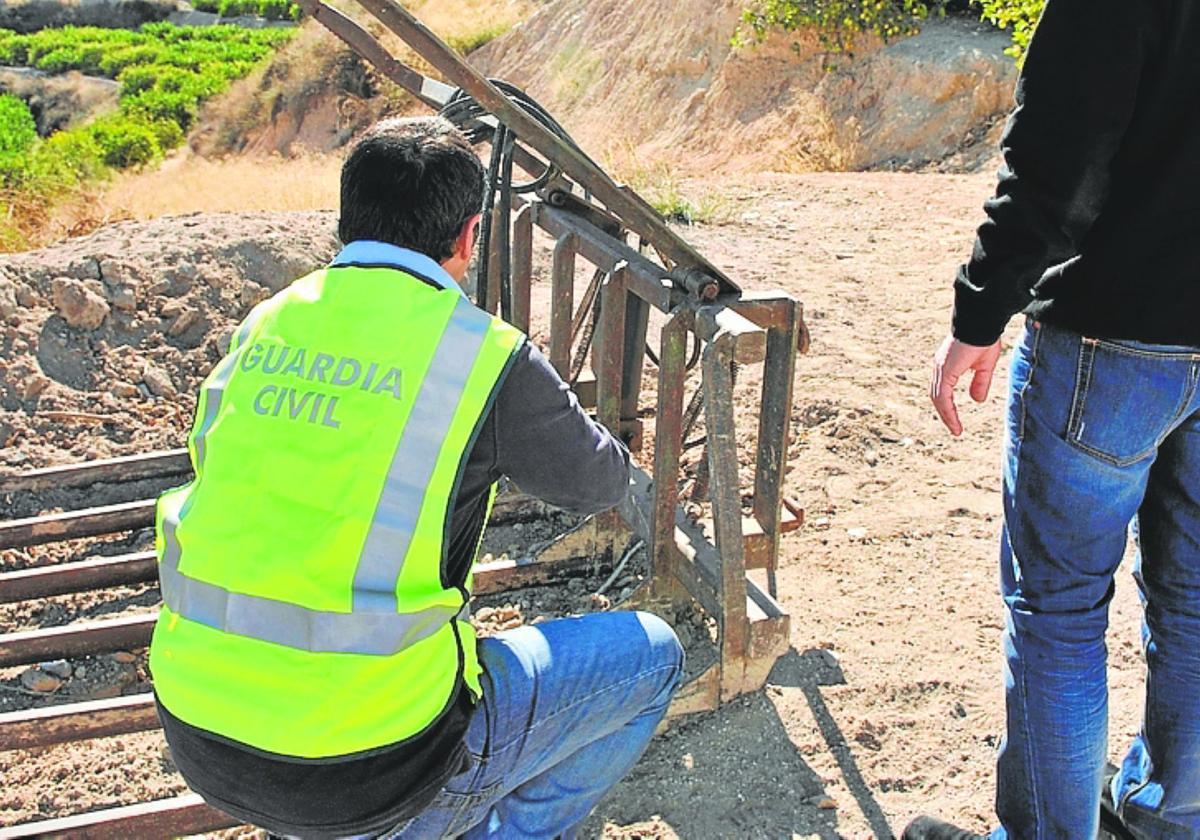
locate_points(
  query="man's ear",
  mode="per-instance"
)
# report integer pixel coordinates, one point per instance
(464, 246)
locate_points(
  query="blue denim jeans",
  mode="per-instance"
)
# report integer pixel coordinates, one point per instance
(1099, 434)
(568, 708)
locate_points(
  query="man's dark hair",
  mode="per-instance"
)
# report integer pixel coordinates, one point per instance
(411, 182)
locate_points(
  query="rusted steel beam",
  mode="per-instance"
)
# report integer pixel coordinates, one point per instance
(694, 563)
(611, 349)
(183, 815)
(646, 280)
(749, 339)
(73, 524)
(668, 443)
(726, 503)
(93, 573)
(31, 646)
(773, 310)
(562, 303)
(774, 422)
(522, 267)
(129, 468)
(626, 204)
(77, 722)
(637, 323)
(433, 94)
(761, 548)
(702, 694)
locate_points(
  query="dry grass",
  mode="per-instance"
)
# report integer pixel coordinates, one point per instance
(191, 184)
(465, 21)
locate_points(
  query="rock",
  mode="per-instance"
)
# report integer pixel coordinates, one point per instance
(186, 320)
(171, 308)
(124, 657)
(689, 762)
(124, 299)
(104, 692)
(8, 298)
(124, 390)
(111, 271)
(86, 268)
(827, 804)
(26, 297)
(78, 305)
(35, 386)
(158, 381)
(59, 668)
(485, 614)
(857, 533)
(185, 273)
(38, 680)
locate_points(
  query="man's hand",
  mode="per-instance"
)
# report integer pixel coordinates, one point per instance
(952, 360)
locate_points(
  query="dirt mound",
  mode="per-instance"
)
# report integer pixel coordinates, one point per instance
(104, 339)
(679, 91)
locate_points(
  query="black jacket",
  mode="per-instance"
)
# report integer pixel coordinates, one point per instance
(1095, 225)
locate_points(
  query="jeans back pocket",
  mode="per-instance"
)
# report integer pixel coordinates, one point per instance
(1127, 398)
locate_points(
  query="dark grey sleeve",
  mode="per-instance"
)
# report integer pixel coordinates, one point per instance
(550, 447)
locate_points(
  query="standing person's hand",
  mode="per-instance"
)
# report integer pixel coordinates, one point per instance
(952, 360)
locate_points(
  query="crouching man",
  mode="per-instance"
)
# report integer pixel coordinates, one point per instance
(315, 668)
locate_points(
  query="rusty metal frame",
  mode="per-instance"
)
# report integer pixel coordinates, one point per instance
(687, 565)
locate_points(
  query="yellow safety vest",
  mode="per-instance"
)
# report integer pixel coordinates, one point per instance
(304, 607)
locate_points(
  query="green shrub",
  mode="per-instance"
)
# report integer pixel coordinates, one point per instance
(117, 60)
(124, 142)
(1021, 15)
(155, 105)
(838, 22)
(67, 158)
(17, 128)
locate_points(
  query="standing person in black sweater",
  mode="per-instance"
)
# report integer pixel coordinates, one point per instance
(1094, 233)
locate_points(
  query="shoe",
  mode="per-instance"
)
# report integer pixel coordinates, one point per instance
(929, 828)
(1112, 827)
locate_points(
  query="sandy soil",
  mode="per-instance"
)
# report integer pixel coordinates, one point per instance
(889, 703)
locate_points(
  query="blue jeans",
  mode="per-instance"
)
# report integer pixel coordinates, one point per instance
(1099, 434)
(568, 708)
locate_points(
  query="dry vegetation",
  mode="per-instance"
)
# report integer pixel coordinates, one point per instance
(190, 184)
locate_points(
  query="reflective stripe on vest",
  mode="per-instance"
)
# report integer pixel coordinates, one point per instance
(374, 626)
(416, 456)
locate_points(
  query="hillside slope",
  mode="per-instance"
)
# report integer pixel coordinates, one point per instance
(659, 79)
